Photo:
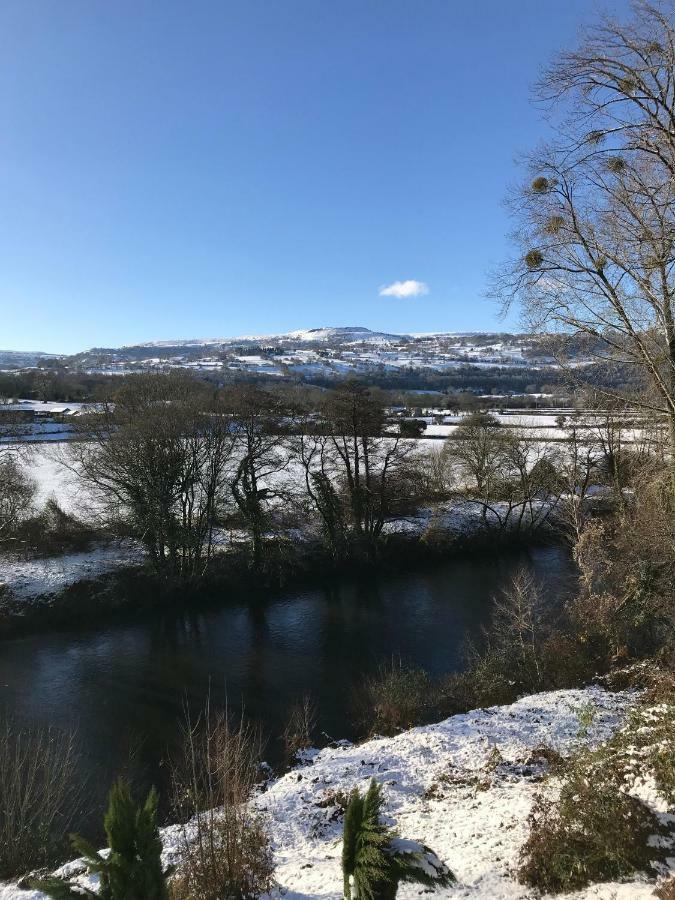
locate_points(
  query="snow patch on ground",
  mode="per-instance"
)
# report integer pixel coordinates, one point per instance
(437, 791)
(47, 466)
(464, 786)
(40, 576)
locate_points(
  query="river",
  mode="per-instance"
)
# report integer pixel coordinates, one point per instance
(122, 687)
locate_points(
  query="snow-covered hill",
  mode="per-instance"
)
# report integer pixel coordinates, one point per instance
(342, 335)
(333, 352)
(347, 335)
(21, 359)
(325, 352)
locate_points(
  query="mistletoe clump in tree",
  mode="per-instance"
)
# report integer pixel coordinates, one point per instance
(595, 212)
(375, 861)
(133, 869)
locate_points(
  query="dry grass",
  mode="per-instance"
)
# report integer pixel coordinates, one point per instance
(38, 796)
(396, 698)
(225, 849)
(666, 891)
(298, 732)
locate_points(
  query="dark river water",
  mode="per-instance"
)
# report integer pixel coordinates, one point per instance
(122, 687)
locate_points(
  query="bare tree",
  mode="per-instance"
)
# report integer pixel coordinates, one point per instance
(578, 465)
(262, 456)
(297, 734)
(366, 462)
(17, 490)
(225, 849)
(596, 224)
(512, 478)
(158, 460)
(532, 487)
(516, 626)
(39, 795)
(477, 453)
(610, 443)
(435, 471)
(314, 449)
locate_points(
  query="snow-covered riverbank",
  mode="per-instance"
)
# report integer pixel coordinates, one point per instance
(38, 579)
(464, 786)
(42, 576)
(443, 526)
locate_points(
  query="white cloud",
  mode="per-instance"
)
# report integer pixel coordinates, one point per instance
(409, 288)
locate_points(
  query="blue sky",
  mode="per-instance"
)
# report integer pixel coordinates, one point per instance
(220, 167)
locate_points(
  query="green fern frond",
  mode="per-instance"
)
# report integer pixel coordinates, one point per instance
(375, 860)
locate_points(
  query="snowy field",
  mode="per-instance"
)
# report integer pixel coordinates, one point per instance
(464, 786)
(539, 427)
(48, 468)
(48, 464)
(32, 577)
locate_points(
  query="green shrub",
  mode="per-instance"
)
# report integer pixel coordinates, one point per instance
(375, 861)
(133, 868)
(594, 832)
(365, 864)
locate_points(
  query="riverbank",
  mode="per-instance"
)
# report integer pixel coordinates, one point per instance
(464, 786)
(114, 577)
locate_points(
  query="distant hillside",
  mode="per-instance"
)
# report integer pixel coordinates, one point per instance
(343, 335)
(483, 363)
(480, 362)
(21, 359)
(322, 353)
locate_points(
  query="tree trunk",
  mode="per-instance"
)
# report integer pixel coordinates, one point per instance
(671, 433)
(257, 551)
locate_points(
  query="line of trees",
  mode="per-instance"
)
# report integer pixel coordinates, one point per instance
(186, 468)
(183, 468)
(177, 464)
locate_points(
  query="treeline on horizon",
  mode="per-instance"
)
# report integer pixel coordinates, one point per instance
(55, 383)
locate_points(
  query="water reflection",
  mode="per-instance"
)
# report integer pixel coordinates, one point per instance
(123, 686)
